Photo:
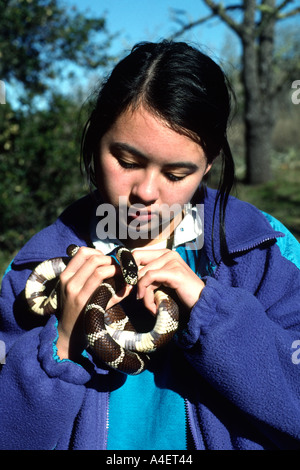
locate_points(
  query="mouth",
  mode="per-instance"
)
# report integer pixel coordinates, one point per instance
(142, 216)
(141, 213)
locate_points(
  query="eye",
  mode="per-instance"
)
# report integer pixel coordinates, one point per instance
(127, 165)
(174, 178)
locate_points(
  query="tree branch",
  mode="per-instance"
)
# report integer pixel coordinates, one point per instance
(283, 4)
(191, 25)
(283, 16)
(217, 10)
(275, 12)
(221, 11)
(274, 15)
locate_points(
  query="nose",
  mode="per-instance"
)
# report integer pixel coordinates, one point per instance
(146, 187)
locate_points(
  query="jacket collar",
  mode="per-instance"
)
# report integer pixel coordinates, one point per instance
(72, 226)
(245, 225)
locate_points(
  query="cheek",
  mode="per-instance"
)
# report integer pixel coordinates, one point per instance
(111, 181)
(177, 196)
(105, 176)
(185, 192)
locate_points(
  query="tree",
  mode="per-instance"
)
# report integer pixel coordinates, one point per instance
(39, 148)
(254, 22)
(39, 167)
(38, 37)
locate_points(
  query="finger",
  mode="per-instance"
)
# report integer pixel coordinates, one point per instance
(89, 271)
(155, 273)
(78, 289)
(144, 257)
(169, 260)
(186, 283)
(154, 278)
(95, 279)
(83, 254)
(84, 264)
(149, 298)
(120, 295)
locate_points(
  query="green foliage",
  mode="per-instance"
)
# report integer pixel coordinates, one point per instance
(39, 164)
(279, 197)
(38, 35)
(39, 148)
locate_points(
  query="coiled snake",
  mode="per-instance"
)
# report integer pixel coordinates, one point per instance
(109, 333)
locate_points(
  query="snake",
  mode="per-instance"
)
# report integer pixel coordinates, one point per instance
(109, 333)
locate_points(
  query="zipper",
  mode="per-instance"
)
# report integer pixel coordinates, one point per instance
(106, 421)
(191, 434)
(255, 245)
(247, 248)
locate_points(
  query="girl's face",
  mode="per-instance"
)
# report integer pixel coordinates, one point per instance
(151, 167)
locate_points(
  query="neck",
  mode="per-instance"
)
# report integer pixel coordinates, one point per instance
(166, 234)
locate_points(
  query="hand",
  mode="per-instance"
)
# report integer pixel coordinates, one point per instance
(166, 267)
(83, 274)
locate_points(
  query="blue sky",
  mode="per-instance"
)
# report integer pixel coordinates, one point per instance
(144, 20)
(139, 20)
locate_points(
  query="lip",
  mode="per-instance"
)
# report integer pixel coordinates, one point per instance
(141, 215)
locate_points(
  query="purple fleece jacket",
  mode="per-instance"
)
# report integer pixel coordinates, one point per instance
(239, 379)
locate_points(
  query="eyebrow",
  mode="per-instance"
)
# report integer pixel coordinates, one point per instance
(137, 153)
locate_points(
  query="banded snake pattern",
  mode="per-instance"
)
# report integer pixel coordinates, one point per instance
(109, 333)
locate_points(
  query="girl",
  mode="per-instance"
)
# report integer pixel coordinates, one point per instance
(227, 380)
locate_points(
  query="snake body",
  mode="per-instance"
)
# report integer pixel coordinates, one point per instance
(109, 333)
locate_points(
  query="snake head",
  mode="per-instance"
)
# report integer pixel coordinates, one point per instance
(128, 266)
(72, 250)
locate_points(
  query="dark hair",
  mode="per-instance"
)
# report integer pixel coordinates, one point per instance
(182, 86)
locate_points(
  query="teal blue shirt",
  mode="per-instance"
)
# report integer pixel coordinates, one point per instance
(147, 412)
(144, 416)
